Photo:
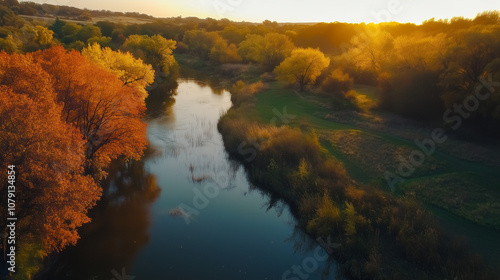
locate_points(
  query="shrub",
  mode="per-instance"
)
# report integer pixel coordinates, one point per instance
(327, 219)
(337, 83)
(241, 92)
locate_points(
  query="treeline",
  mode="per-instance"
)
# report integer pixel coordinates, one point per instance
(21, 36)
(419, 70)
(422, 72)
(35, 9)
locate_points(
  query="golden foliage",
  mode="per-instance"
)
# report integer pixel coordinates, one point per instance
(328, 216)
(302, 67)
(133, 72)
(221, 52)
(269, 50)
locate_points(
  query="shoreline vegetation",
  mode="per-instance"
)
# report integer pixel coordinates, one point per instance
(381, 235)
(322, 113)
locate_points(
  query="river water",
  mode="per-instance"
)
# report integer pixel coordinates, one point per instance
(186, 211)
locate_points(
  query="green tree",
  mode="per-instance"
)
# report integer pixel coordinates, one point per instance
(102, 41)
(106, 27)
(57, 27)
(201, 42)
(250, 49)
(269, 50)
(69, 31)
(154, 50)
(10, 44)
(36, 37)
(87, 32)
(473, 51)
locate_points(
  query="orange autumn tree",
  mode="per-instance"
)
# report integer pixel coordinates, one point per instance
(106, 113)
(53, 194)
(62, 120)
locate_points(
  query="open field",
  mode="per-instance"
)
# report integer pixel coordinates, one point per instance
(115, 19)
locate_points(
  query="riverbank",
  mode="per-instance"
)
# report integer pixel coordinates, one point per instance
(288, 149)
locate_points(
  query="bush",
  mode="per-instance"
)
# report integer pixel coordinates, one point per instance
(337, 83)
(268, 77)
(241, 92)
(328, 218)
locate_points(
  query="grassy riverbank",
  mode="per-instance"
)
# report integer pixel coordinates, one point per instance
(459, 176)
(326, 158)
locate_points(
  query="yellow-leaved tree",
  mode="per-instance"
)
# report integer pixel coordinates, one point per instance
(269, 50)
(133, 72)
(371, 50)
(302, 67)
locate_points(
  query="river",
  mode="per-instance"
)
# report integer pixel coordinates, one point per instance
(186, 211)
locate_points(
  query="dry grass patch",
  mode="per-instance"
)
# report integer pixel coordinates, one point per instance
(376, 155)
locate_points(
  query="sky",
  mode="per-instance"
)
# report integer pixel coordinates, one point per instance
(414, 11)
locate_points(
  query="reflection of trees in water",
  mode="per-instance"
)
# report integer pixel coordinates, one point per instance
(119, 227)
(302, 242)
(204, 80)
(160, 99)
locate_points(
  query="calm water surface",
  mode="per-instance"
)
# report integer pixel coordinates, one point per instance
(185, 211)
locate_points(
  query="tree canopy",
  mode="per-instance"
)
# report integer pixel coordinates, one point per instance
(106, 113)
(302, 67)
(133, 72)
(48, 154)
(269, 50)
(154, 50)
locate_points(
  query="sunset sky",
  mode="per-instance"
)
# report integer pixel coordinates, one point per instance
(294, 10)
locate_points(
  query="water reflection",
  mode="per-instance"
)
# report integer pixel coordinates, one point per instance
(241, 233)
(121, 220)
(159, 104)
(203, 79)
(304, 244)
(118, 230)
(119, 226)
